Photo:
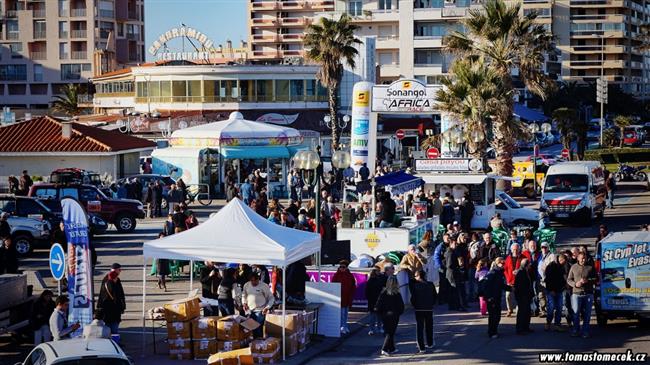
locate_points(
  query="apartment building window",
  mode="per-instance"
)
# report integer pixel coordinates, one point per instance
(40, 29)
(13, 31)
(429, 57)
(13, 72)
(64, 29)
(38, 89)
(355, 7)
(431, 30)
(63, 8)
(17, 89)
(71, 71)
(590, 27)
(120, 29)
(16, 49)
(297, 90)
(385, 4)
(106, 9)
(38, 72)
(64, 51)
(541, 13)
(105, 28)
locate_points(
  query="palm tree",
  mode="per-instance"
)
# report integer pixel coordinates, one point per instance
(566, 119)
(68, 103)
(470, 96)
(330, 43)
(622, 121)
(507, 41)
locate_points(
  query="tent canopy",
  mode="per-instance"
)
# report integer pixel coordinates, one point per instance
(236, 234)
(396, 182)
(528, 114)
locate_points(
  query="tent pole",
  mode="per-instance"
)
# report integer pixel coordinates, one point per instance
(191, 275)
(284, 313)
(144, 298)
(319, 263)
(268, 178)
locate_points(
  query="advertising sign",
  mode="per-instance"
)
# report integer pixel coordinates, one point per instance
(80, 280)
(359, 299)
(360, 141)
(443, 164)
(625, 276)
(406, 95)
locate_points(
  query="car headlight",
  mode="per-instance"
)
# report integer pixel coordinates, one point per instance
(140, 207)
(582, 203)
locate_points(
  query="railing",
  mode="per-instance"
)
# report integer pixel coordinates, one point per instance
(11, 14)
(292, 37)
(133, 36)
(265, 38)
(322, 4)
(63, 34)
(292, 52)
(124, 94)
(78, 12)
(103, 13)
(78, 33)
(265, 5)
(263, 21)
(265, 54)
(293, 21)
(38, 34)
(38, 13)
(134, 15)
(13, 35)
(85, 98)
(63, 56)
(595, 16)
(79, 55)
(221, 99)
(64, 13)
(38, 55)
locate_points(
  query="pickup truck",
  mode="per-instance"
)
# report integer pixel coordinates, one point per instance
(28, 232)
(122, 213)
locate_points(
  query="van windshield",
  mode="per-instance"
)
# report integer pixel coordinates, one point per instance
(566, 183)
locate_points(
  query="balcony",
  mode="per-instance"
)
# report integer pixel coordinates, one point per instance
(292, 53)
(597, 48)
(388, 42)
(13, 35)
(389, 15)
(78, 33)
(40, 34)
(63, 34)
(295, 21)
(597, 3)
(11, 14)
(79, 55)
(265, 38)
(586, 64)
(264, 22)
(133, 36)
(589, 18)
(428, 41)
(38, 13)
(389, 70)
(64, 56)
(38, 55)
(323, 4)
(293, 5)
(78, 12)
(289, 38)
(266, 54)
(106, 13)
(103, 33)
(265, 5)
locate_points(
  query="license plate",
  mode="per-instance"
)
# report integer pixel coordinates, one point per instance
(562, 215)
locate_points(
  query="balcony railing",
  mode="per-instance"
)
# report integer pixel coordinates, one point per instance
(13, 35)
(265, 5)
(78, 12)
(79, 55)
(135, 15)
(106, 13)
(133, 36)
(38, 55)
(63, 56)
(78, 33)
(264, 21)
(39, 34)
(38, 13)
(292, 37)
(266, 54)
(11, 14)
(63, 34)
(261, 38)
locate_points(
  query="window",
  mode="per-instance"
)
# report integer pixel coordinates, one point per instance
(297, 90)
(64, 29)
(385, 4)
(355, 7)
(431, 29)
(38, 72)
(165, 88)
(17, 89)
(429, 57)
(228, 89)
(45, 193)
(194, 90)
(8, 206)
(71, 71)
(13, 72)
(106, 9)
(71, 192)
(40, 29)
(154, 88)
(310, 90)
(247, 90)
(86, 67)
(37, 357)
(566, 183)
(28, 207)
(281, 90)
(88, 194)
(16, 49)
(179, 89)
(264, 90)
(38, 89)
(120, 29)
(64, 50)
(63, 8)
(13, 30)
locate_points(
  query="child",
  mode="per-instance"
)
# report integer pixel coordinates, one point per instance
(481, 273)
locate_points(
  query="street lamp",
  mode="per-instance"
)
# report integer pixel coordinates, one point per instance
(308, 162)
(341, 160)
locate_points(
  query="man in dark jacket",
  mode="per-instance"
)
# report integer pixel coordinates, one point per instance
(296, 278)
(423, 297)
(466, 213)
(454, 277)
(524, 295)
(8, 256)
(210, 280)
(112, 299)
(156, 199)
(492, 290)
(555, 285)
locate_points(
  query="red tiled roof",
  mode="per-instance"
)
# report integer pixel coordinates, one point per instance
(44, 135)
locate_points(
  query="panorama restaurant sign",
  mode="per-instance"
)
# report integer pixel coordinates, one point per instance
(205, 51)
(406, 96)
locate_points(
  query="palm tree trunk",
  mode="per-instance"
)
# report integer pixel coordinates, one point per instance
(332, 104)
(504, 146)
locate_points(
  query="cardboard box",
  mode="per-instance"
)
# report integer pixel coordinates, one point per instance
(292, 345)
(182, 310)
(204, 347)
(180, 349)
(273, 323)
(303, 340)
(179, 330)
(204, 327)
(231, 345)
(266, 351)
(235, 357)
(235, 328)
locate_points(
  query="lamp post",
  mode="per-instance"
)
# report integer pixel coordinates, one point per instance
(341, 160)
(308, 162)
(534, 128)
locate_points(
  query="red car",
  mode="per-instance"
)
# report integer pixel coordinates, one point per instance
(122, 213)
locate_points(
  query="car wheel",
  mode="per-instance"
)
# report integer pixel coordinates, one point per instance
(125, 223)
(24, 244)
(164, 205)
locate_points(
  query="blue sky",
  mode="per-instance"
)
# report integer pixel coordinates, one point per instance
(218, 19)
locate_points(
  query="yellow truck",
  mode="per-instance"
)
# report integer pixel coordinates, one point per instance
(523, 174)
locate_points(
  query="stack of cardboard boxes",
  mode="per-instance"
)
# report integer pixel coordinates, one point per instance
(179, 315)
(297, 326)
(204, 336)
(234, 332)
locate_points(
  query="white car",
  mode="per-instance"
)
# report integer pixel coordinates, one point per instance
(94, 351)
(513, 213)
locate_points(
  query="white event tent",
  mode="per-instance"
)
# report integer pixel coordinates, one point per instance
(236, 234)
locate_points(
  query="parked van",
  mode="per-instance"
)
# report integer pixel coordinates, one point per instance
(575, 191)
(623, 265)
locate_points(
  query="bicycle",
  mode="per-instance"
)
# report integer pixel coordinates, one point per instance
(195, 194)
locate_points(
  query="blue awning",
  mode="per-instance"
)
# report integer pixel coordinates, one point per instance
(528, 114)
(254, 152)
(396, 182)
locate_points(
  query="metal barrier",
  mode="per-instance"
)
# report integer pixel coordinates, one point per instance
(199, 192)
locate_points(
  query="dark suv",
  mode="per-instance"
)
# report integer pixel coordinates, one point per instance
(122, 213)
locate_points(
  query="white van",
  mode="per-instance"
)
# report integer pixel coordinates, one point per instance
(574, 191)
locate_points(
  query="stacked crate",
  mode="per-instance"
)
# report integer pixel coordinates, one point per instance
(179, 315)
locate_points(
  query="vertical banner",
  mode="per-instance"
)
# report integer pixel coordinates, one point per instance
(360, 141)
(80, 279)
(446, 122)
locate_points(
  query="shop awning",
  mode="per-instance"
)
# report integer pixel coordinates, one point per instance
(396, 182)
(254, 152)
(528, 114)
(454, 178)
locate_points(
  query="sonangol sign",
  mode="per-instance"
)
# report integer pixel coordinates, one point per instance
(406, 95)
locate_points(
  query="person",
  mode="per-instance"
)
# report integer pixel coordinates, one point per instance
(364, 172)
(476, 250)
(495, 284)
(247, 191)
(229, 293)
(447, 214)
(191, 221)
(39, 320)
(436, 205)
(257, 300)
(413, 261)
(533, 257)
(453, 264)
(440, 265)
(111, 298)
(512, 263)
(97, 328)
(582, 278)
(496, 222)
(610, 185)
(162, 269)
(427, 245)
(25, 183)
(602, 233)
(423, 298)
(544, 258)
(480, 275)
(466, 213)
(210, 279)
(137, 188)
(59, 320)
(348, 287)
(13, 183)
(173, 198)
(563, 260)
(388, 213)
(178, 218)
(262, 272)
(555, 283)
(524, 294)
(492, 250)
(8, 255)
(374, 285)
(390, 307)
(296, 279)
(156, 199)
(182, 189)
